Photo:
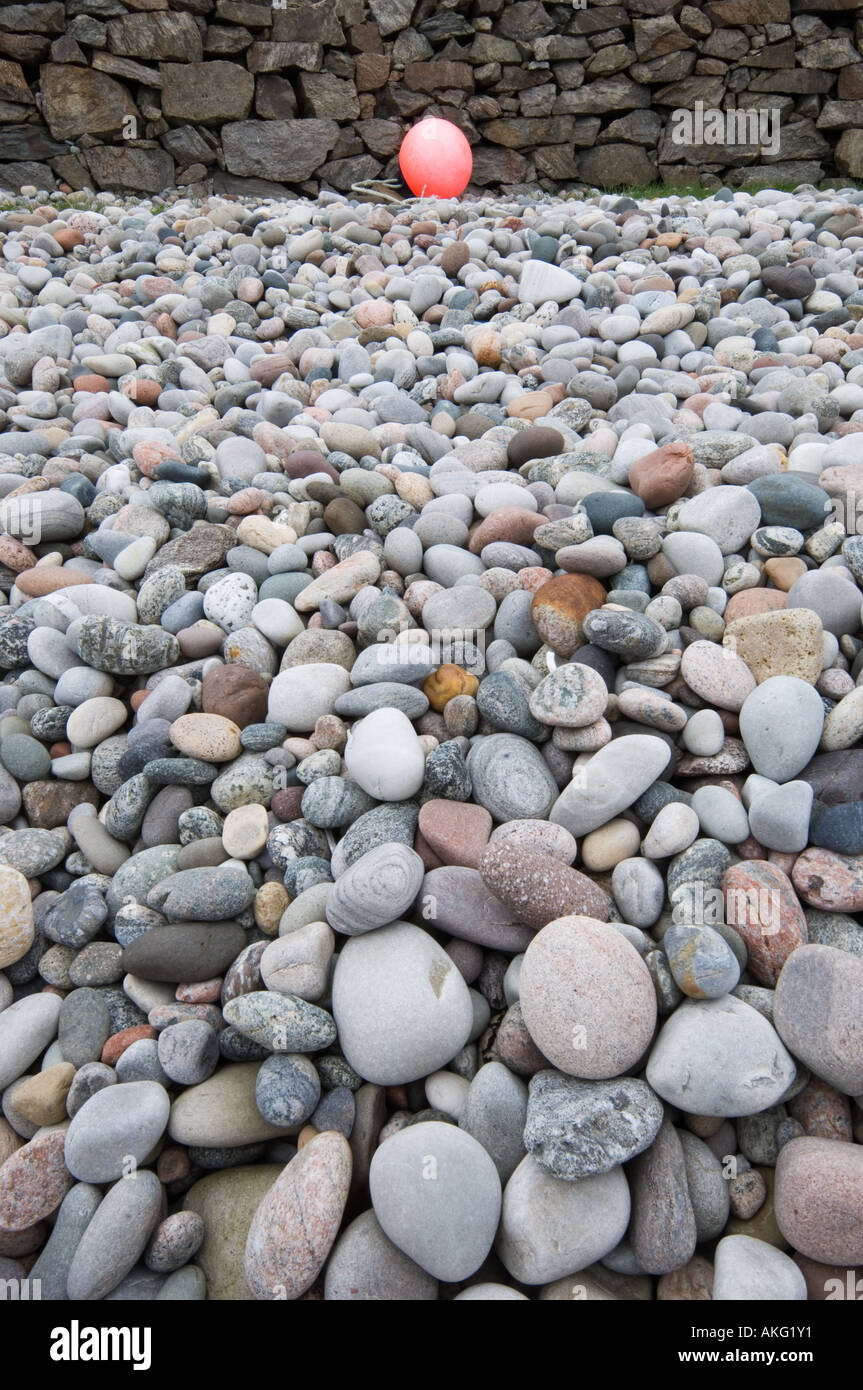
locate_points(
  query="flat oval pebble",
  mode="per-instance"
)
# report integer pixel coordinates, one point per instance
(221, 1112)
(296, 1224)
(115, 1124)
(539, 888)
(613, 778)
(33, 1181)
(781, 724)
(377, 888)
(717, 675)
(115, 1237)
(454, 898)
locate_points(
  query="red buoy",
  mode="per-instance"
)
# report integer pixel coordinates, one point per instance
(436, 159)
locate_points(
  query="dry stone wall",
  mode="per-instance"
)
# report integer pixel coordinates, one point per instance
(256, 95)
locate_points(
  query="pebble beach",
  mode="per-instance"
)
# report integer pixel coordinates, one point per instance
(431, 778)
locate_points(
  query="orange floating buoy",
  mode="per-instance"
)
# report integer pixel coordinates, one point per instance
(436, 159)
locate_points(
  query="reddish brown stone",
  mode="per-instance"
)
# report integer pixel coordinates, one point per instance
(48, 803)
(456, 831)
(91, 381)
(15, 555)
(560, 607)
(833, 882)
(426, 853)
(371, 72)
(143, 391)
(732, 757)
(34, 1181)
(453, 257)
(44, 579)
(662, 476)
(118, 1042)
(750, 602)
(823, 1112)
(514, 1046)
(819, 1199)
(303, 462)
(515, 524)
(760, 903)
(343, 517)
(247, 501)
(236, 692)
(204, 992)
(69, 237)
(172, 1165)
(538, 887)
(286, 804)
(268, 369)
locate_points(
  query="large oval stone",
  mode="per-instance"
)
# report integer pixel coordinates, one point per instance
(760, 903)
(831, 882)
(719, 1057)
(781, 724)
(613, 778)
(550, 1228)
(401, 1007)
(294, 1228)
(587, 998)
(436, 1194)
(221, 1113)
(819, 1199)
(511, 779)
(818, 1014)
(226, 1203)
(16, 916)
(115, 1124)
(538, 888)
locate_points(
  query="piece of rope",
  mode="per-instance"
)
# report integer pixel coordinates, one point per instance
(380, 188)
